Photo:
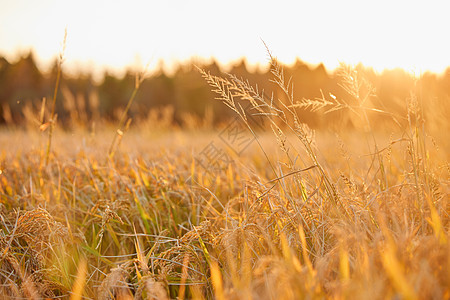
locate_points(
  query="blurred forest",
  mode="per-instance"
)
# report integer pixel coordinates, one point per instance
(184, 99)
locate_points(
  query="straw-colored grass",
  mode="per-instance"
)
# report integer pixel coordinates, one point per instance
(298, 214)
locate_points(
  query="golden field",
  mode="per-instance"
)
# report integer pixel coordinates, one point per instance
(242, 210)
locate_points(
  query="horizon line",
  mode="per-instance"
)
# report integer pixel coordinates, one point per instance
(170, 67)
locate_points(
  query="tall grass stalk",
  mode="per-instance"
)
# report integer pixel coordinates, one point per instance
(123, 122)
(231, 90)
(55, 93)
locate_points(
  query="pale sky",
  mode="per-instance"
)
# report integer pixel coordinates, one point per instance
(110, 34)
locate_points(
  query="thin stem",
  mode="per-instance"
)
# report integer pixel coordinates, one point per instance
(120, 129)
(55, 93)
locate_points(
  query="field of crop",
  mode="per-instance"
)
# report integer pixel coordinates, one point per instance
(260, 207)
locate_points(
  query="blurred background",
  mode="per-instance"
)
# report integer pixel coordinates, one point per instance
(399, 47)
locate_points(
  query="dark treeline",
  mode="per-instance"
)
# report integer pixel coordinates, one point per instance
(185, 95)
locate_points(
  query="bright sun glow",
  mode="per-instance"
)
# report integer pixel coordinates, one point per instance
(114, 34)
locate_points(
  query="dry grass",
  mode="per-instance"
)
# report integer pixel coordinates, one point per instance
(363, 215)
